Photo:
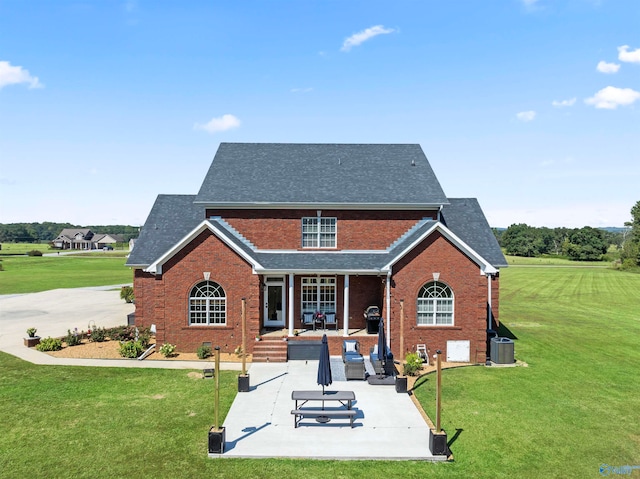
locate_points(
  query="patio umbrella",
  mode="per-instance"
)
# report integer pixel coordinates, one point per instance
(324, 365)
(382, 343)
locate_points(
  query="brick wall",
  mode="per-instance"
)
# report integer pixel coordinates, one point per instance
(282, 229)
(469, 287)
(164, 300)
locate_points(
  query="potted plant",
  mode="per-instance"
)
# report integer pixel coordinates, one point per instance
(31, 340)
(257, 337)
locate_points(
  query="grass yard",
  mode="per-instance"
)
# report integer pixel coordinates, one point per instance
(576, 406)
(30, 274)
(23, 248)
(572, 409)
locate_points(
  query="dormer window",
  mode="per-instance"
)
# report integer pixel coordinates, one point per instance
(319, 232)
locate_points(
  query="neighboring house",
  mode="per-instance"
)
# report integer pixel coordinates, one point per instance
(74, 238)
(102, 240)
(294, 228)
(84, 238)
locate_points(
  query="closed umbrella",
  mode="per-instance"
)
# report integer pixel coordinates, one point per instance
(324, 365)
(382, 345)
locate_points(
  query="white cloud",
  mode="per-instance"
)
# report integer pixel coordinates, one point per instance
(10, 75)
(526, 115)
(224, 123)
(361, 37)
(563, 103)
(301, 90)
(624, 55)
(611, 98)
(604, 67)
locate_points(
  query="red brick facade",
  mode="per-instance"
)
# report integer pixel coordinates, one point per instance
(163, 299)
(357, 230)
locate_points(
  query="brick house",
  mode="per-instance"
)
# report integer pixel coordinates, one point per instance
(295, 228)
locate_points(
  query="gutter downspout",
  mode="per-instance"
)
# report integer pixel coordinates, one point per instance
(489, 309)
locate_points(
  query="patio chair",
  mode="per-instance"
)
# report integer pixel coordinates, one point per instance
(308, 319)
(421, 350)
(330, 320)
(350, 347)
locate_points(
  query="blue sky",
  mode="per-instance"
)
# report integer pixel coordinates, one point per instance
(533, 107)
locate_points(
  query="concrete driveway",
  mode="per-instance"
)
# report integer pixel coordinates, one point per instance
(54, 312)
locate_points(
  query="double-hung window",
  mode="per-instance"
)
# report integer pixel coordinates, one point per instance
(435, 305)
(318, 232)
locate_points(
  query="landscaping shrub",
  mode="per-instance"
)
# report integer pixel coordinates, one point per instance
(204, 352)
(122, 333)
(167, 350)
(131, 349)
(73, 337)
(49, 344)
(144, 336)
(34, 252)
(413, 364)
(126, 293)
(97, 335)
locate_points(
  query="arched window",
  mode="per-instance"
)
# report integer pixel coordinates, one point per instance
(435, 305)
(207, 304)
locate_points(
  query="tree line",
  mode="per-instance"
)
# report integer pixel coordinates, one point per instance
(48, 231)
(580, 244)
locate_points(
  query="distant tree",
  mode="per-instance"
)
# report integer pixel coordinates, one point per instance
(520, 240)
(585, 244)
(630, 254)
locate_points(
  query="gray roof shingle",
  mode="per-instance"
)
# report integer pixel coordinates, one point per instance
(314, 175)
(171, 218)
(465, 218)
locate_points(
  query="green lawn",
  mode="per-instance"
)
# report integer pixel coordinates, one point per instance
(30, 274)
(23, 248)
(572, 409)
(576, 405)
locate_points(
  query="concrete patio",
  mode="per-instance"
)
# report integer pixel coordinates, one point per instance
(260, 424)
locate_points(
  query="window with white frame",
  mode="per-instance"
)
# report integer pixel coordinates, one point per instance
(435, 305)
(318, 232)
(318, 294)
(207, 304)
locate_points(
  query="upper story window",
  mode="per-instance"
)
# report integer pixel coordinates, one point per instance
(435, 305)
(319, 232)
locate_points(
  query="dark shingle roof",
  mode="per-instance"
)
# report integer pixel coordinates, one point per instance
(171, 218)
(316, 175)
(464, 217)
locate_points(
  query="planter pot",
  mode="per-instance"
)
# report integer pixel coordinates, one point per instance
(243, 383)
(438, 443)
(32, 342)
(401, 384)
(216, 440)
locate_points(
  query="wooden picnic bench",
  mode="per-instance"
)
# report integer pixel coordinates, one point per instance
(345, 398)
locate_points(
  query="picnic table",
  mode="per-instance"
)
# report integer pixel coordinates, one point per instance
(301, 398)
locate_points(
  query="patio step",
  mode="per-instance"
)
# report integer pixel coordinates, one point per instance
(270, 351)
